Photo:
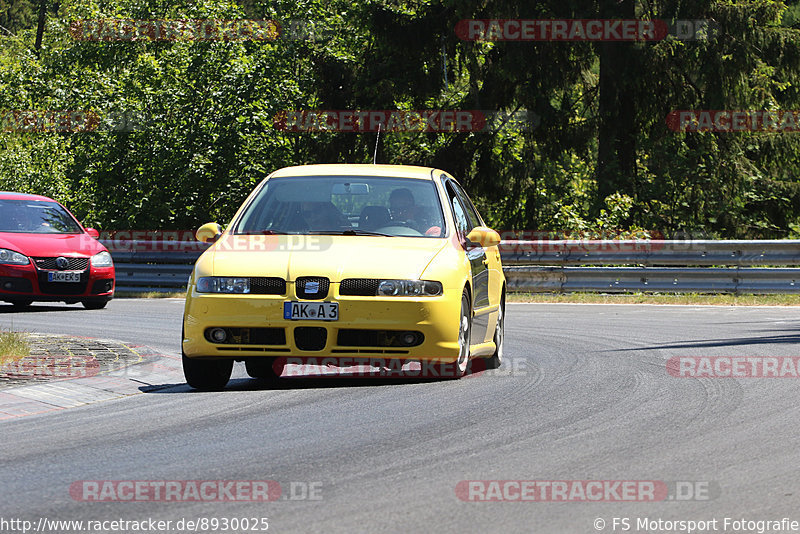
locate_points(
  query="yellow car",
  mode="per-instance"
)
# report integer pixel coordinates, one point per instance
(346, 263)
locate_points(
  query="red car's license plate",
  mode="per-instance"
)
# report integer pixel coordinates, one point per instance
(63, 277)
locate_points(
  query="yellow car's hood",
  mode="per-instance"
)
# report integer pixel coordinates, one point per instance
(335, 257)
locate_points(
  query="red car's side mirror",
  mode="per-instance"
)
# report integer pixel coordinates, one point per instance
(93, 233)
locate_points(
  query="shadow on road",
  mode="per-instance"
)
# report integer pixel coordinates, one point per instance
(301, 382)
(33, 308)
(708, 343)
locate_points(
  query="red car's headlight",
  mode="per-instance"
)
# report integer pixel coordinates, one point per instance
(102, 259)
(9, 257)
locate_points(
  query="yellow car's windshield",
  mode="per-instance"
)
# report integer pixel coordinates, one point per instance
(348, 205)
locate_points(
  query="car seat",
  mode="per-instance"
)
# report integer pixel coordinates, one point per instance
(374, 217)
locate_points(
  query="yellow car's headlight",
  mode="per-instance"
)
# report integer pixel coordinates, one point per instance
(222, 284)
(409, 288)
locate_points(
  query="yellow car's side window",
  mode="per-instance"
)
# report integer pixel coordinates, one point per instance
(460, 216)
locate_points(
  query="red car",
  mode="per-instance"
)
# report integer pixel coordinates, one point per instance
(47, 255)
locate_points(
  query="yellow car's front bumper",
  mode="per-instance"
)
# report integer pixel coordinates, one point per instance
(437, 318)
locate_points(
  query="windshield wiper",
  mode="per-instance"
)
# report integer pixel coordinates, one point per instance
(348, 232)
(263, 232)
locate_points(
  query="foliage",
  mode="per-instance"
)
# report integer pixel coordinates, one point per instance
(197, 116)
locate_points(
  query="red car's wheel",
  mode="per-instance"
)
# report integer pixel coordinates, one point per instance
(94, 304)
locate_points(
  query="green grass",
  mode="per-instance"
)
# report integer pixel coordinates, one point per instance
(13, 346)
(654, 298)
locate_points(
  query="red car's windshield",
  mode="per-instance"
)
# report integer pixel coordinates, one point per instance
(36, 217)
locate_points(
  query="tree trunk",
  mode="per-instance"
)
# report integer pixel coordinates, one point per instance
(40, 26)
(616, 154)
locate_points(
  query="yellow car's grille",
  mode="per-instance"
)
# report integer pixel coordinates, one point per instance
(360, 287)
(312, 287)
(267, 286)
(310, 337)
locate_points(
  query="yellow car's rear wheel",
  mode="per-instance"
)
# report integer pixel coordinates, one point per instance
(496, 360)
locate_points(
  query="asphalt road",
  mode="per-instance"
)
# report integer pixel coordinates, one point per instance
(586, 396)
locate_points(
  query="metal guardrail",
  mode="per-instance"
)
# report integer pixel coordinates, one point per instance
(652, 252)
(653, 279)
(153, 266)
(702, 266)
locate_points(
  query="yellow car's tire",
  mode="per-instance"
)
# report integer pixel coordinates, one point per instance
(267, 368)
(496, 360)
(206, 374)
(464, 331)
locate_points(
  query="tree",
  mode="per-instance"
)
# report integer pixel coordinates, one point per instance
(16, 15)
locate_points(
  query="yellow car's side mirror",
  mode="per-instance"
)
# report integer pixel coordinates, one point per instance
(208, 233)
(486, 237)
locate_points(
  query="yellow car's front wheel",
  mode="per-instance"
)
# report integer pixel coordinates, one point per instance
(464, 330)
(207, 374)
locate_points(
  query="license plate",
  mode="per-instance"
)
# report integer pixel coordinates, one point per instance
(63, 277)
(311, 311)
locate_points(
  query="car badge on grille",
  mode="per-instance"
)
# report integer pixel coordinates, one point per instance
(62, 262)
(311, 287)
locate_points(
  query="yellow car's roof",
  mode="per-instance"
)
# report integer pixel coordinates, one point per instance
(356, 169)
